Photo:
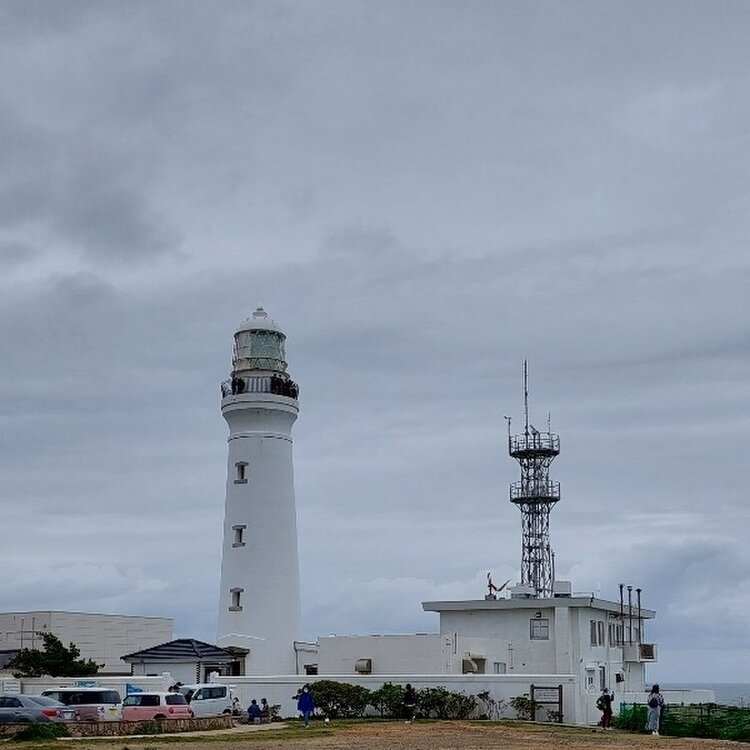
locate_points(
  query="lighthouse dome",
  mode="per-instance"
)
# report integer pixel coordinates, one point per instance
(259, 321)
(259, 345)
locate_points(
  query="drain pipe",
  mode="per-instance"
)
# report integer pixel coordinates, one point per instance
(640, 619)
(630, 615)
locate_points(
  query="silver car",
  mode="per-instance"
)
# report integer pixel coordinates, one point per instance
(18, 708)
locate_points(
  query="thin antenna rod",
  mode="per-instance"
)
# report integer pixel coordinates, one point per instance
(526, 397)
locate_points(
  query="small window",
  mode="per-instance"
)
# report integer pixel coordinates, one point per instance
(175, 699)
(240, 472)
(149, 700)
(539, 629)
(236, 605)
(499, 667)
(239, 535)
(597, 632)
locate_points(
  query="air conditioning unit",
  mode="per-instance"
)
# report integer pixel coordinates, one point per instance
(363, 666)
(638, 652)
(469, 666)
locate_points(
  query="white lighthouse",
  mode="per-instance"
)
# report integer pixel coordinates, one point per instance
(259, 603)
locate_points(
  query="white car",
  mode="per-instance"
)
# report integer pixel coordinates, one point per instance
(208, 699)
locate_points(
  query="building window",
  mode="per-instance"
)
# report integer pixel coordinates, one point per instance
(239, 535)
(597, 632)
(240, 472)
(236, 599)
(539, 629)
(499, 667)
(615, 634)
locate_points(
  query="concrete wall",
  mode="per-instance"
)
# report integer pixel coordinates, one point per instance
(390, 654)
(282, 689)
(187, 673)
(35, 685)
(103, 638)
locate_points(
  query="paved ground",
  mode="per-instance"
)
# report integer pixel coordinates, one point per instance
(419, 736)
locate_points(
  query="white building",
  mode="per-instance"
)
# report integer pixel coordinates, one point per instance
(103, 638)
(259, 601)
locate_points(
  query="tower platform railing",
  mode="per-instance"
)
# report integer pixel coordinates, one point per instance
(274, 384)
(534, 442)
(538, 491)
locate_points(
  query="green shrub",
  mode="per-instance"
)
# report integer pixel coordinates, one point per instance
(149, 727)
(38, 730)
(389, 700)
(632, 717)
(340, 700)
(440, 703)
(524, 706)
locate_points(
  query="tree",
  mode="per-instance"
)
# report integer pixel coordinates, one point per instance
(54, 660)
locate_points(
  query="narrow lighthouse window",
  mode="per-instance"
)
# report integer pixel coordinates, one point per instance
(239, 535)
(240, 472)
(236, 605)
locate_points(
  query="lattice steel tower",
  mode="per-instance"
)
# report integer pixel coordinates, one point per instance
(535, 495)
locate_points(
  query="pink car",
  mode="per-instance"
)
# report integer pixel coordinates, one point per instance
(150, 706)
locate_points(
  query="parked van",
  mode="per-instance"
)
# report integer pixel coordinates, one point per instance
(90, 704)
(208, 699)
(158, 706)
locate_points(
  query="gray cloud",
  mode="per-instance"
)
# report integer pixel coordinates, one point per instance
(421, 200)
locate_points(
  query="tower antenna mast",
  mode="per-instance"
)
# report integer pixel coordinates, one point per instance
(535, 495)
(526, 397)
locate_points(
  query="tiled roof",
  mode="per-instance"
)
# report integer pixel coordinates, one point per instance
(181, 650)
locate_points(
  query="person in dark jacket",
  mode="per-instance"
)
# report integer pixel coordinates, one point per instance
(604, 704)
(305, 704)
(253, 712)
(410, 702)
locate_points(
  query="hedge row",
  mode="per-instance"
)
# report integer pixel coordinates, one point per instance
(341, 700)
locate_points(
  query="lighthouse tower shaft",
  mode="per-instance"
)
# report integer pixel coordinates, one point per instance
(535, 495)
(259, 601)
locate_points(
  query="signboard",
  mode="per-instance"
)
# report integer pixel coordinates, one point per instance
(546, 695)
(86, 683)
(10, 687)
(548, 700)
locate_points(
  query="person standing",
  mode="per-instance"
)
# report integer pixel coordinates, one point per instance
(305, 704)
(604, 704)
(655, 704)
(410, 702)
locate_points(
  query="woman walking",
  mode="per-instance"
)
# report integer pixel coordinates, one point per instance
(305, 704)
(655, 705)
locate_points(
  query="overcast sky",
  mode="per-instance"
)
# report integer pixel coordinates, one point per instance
(421, 194)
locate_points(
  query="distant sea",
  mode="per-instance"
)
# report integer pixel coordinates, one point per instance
(727, 693)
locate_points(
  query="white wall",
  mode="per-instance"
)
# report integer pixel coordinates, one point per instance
(265, 567)
(187, 672)
(281, 690)
(390, 654)
(103, 638)
(36, 685)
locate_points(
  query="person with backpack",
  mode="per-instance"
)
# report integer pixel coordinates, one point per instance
(604, 704)
(655, 705)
